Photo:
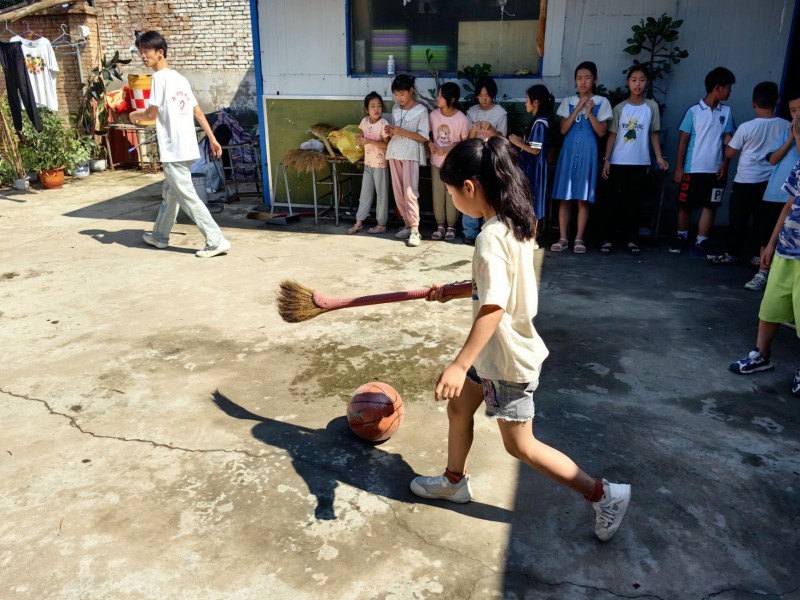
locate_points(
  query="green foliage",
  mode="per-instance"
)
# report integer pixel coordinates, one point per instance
(654, 38)
(12, 158)
(53, 147)
(472, 74)
(7, 173)
(614, 96)
(92, 117)
(433, 73)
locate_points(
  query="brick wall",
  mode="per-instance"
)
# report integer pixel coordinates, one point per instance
(202, 34)
(49, 24)
(209, 42)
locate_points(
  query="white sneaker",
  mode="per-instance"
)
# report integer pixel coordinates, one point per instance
(149, 239)
(414, 239)
(757, 283)
(611, 509)
(221, 248)
(440, 487)
(403, 233)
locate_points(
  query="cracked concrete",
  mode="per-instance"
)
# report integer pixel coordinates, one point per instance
(164, 435)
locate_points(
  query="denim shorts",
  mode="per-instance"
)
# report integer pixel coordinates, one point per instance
(506, 400)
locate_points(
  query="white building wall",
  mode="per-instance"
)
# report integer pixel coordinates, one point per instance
(304, 49)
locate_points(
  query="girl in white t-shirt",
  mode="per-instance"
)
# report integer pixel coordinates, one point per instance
(406, 153)
(500, 362)
(376, 170)
(633, 130)
(448, 127)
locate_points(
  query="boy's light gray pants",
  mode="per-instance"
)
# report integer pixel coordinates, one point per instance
(178, 191)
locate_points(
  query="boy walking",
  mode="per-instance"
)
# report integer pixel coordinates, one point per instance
(781, 301)
(701, 169)
(174, 107)
(755, 139)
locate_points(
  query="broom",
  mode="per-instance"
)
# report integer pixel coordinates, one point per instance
(297, 303)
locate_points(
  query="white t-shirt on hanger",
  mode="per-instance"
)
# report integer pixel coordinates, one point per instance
(42, 68)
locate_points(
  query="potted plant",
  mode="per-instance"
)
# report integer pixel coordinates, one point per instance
(50, 151)
(83, 154)
(97, 162)
(92, 117)
(13, 168)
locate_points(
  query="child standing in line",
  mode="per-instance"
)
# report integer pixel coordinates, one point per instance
(500, 362)
(405, 153)
(174, 108)
(781, 302)
(448, 127)
(701, 169)
(784, 156)
(376, 175)
(583, 119)
(754, 139)
(533, 156)
(632, 132)
(488, 119)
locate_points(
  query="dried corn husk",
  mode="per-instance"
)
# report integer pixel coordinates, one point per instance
(304, 161)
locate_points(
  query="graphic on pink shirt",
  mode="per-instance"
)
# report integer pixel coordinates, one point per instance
(443, 135)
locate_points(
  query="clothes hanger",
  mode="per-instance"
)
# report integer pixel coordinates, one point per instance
(28, 33)
(7, 29)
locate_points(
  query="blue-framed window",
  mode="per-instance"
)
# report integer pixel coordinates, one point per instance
(444, 35)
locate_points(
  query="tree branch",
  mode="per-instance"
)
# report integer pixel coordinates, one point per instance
(15, 15)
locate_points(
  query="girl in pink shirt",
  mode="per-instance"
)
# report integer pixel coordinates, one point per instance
(448, 127)
(376, 173)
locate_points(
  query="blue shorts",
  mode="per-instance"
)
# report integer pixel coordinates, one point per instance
(506, 400)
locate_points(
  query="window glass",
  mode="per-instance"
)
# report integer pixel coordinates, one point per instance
(447, 35)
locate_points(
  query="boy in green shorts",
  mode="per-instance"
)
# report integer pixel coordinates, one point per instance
(781, 301)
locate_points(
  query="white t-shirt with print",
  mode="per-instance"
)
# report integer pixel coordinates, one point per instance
(40, 61)
(503, 275)
(496, 116)
(171, 93)
(755, 139)
(633, 124)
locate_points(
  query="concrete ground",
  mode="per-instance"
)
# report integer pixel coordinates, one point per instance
(163, 434)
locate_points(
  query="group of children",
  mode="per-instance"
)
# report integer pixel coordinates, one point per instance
(480, 173)
(403, 148)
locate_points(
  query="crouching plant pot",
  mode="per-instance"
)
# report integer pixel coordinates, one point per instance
(21, 184)
(52, 178)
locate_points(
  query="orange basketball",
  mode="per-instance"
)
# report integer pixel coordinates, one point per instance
(375, 411)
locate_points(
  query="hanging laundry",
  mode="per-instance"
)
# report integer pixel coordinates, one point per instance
(40, 61)
(18, 85)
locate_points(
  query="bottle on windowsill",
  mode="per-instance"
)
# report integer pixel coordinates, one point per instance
(390, 65)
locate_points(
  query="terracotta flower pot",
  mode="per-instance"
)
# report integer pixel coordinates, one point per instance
(53, 178)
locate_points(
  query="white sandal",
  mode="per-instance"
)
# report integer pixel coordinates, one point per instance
(560, 245)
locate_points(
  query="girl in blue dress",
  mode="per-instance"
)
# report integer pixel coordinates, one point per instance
(584, 118)
(533, 147)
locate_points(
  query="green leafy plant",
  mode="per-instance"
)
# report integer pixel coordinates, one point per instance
(614, 96)
(472, 74)
(54, 147)
(9, 145)
(92, 117)
(433, 72)
(654, 38)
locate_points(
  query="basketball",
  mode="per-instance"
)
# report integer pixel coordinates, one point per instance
(375, 411)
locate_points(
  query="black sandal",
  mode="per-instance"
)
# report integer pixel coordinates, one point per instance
(633, 249)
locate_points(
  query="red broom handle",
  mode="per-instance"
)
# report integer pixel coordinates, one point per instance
(451, 289)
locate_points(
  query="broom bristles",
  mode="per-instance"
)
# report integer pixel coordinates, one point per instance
(295, 302)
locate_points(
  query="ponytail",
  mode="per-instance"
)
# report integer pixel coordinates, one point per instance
(493, 166)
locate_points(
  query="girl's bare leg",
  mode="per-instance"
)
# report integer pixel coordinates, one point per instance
(519, 442)
(583, 219)
(563, 218)
(460, 413)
